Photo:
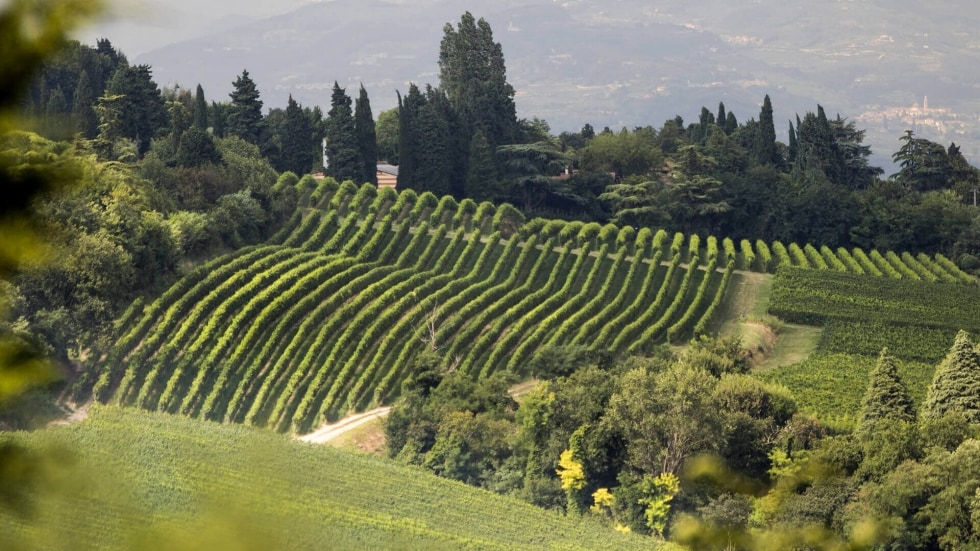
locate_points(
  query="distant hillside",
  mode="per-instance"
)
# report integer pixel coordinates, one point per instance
(627, 63)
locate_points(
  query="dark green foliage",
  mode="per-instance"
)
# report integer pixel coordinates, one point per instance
(526, 173)
(83, 115)
(366, 137)
(200, 109)
(924, 165)
(956, 384)
(474, 78)
(218, 115)
(54, 116)
(752, 410)
(794, 147)
(432, 148)
(343, 151)
(296, 140)
(722, 117)
(141, 109)
(196, 148)
(244, 115)
(642, 202)
(764, 149)
(887, 398)
(481, 178)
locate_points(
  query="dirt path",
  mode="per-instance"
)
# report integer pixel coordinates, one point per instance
(329, 432)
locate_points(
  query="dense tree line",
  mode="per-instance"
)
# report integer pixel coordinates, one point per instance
(713, 176)
(693, 449)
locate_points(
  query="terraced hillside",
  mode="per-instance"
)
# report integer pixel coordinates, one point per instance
(328, 316)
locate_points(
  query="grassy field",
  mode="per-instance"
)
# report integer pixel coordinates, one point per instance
(130, 479)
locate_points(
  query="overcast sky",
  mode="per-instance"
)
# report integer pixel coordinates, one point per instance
(139, 26)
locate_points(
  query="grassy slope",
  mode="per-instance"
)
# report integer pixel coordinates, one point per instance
(138, 480)
(824, 381)
(827, 368)
(748, 302)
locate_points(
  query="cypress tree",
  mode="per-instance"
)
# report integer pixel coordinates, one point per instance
(200, 109)
(793, 146)
(408, 107)
(218, 114)
(473, 76)
(433, 166)
(956, 384)
(765, 142)
(83, 115)
(731, 124)
(297, 133)
(244, 116)
(886, 397)
(704, 123)
(343, 153)
(367, 137)
(481, 177)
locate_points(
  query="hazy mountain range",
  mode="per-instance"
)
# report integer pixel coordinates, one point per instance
(890, 65)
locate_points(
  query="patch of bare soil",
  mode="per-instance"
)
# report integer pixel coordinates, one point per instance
(77, 414)
(759, 340)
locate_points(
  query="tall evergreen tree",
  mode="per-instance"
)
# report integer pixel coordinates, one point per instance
(408, 107)
(218, 115)
(793, 145)
(765, 151)
(731, 124)
(473, 76)
(244, 116)
(924, 165)
(200, 109)
(886, 397)
(343, 153)
(481, 177)
(83, 115)
(142, 109)
(367, 140)
(703, 127)
(722, 117)
(956, 383)
(295, 140)
(432, 148)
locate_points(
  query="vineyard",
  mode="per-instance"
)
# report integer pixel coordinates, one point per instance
(915, 320)
(328, 315)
